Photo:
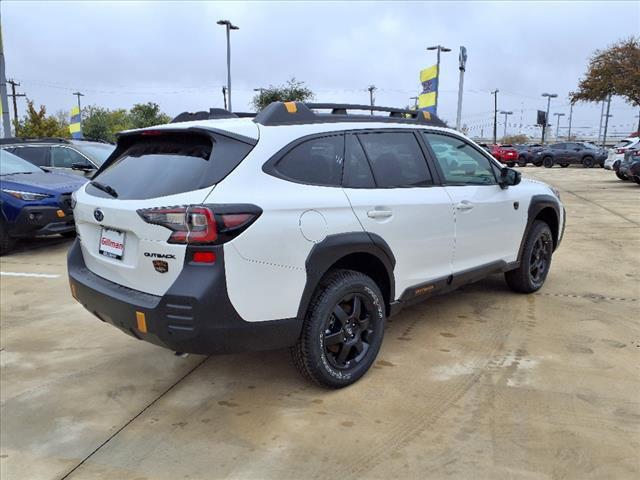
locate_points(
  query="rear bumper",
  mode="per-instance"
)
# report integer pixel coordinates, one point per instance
(194, 316)
(36, 220)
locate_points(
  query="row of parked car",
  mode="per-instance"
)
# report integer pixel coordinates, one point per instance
(563, 154)
(37, 178)
(624, 159)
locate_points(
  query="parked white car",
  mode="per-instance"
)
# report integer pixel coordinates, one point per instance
(617, 152)
(300, 229)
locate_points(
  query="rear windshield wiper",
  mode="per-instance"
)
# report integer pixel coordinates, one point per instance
(105, 188)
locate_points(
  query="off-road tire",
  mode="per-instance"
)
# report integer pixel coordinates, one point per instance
(548, 162)
(587, 162)
(521, 279)
(621, 176)
(310, 354)
(6, 242)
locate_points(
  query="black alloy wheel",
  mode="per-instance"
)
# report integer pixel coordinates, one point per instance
(540, 259)
(548, 162)
(348, 331)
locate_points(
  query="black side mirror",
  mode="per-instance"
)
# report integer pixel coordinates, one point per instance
(509, 177)
(85, 167)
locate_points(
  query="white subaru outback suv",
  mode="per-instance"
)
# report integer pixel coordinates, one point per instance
(299, 229)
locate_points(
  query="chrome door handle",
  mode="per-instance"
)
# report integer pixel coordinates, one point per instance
(464, 205)
(379, 213)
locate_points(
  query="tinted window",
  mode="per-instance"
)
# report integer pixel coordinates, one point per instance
(96, 151)
(37, 155)
(396, 159)
(460, 162)
(316, 162)
(558, 146)
(168, 164)
(63, 157)
(357, 172)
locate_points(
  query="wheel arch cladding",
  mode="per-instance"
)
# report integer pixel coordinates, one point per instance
(547, 209)
(360, 251)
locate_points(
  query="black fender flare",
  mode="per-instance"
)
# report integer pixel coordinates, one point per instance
(335, 247)
(537, 204)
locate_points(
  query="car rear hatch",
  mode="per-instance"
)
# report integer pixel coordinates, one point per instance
(150, 170)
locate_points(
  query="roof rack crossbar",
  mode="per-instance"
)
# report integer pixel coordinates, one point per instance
(298, 113)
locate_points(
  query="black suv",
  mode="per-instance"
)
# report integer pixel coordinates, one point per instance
(565, 154)
(83, 157)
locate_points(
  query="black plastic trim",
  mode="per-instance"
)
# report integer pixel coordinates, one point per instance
(194, 316)
(335, 247)
(537, 204)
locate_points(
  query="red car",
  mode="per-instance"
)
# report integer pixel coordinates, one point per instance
(506, 154)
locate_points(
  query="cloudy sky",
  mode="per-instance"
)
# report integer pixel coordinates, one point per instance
(173, 53)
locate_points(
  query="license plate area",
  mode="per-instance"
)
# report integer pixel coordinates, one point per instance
(111, 243)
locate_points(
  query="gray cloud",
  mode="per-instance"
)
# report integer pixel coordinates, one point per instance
(173, 53)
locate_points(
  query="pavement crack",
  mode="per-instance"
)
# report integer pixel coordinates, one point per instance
(605, 208)
(134, 418)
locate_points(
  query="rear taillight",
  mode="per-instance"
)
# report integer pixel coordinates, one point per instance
(620, 150)
(202, 225)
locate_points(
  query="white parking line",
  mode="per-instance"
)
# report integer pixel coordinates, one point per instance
(20, 274)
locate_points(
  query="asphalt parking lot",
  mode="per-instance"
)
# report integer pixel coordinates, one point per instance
(482, 383)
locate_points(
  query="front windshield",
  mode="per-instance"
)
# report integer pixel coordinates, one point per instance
(590, 146)
(98, 152)
(10, 164)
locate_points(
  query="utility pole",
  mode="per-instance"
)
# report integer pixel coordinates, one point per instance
(439, 48)
(601, 117)
(372, 88)
(495, 115)
(606, 121)
(78, 94)
(224, 96)
(14, 96)
(228, 26)
(546, 118)
(558, 124)
(462, 66)
(4, 103)
(570, 118)
(506, 114)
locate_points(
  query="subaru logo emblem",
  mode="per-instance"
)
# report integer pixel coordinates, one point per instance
(98, 215)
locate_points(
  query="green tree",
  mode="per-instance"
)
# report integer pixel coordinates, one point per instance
(36, 123)
(292, 91)
(146, 115)
(100, 123)
(614, 71)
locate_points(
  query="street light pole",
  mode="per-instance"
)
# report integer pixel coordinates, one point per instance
(495, 115)
(439, 48)
(558, 124)
(601, 117)
(228, 26)
(462, 66)
(506, 114)
(546, 119)
(606, 121)
(570, 118)
(371, 88)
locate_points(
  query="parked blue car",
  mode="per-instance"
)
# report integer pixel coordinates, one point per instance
(33, 201)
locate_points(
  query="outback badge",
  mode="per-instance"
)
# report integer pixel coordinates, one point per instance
(161, 266)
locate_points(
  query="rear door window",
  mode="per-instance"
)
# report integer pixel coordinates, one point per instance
(357, 172)
(168, 164)
(315, 162)
(38, 156)
(396, 159)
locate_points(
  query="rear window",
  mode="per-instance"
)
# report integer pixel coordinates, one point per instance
(168, 164)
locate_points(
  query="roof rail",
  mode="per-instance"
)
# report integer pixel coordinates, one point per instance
(298, 113)
(15, 140)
